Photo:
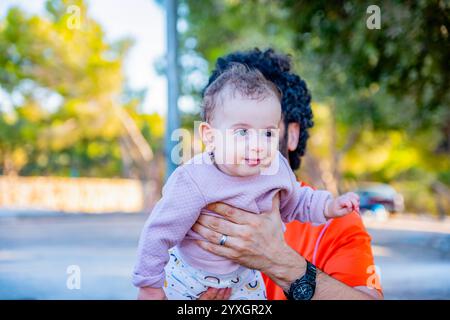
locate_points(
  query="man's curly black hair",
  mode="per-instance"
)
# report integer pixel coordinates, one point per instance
(296, 98)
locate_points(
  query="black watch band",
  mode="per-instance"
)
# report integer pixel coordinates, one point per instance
(304, 287)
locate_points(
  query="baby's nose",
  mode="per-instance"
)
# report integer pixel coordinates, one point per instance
(256, 144)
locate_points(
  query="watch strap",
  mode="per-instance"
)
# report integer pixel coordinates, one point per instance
(308, 278)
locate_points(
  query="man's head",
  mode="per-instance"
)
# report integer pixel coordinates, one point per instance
(296, 99)
(241, 112)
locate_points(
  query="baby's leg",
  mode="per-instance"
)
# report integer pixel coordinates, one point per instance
(180, 284)
(253, 289)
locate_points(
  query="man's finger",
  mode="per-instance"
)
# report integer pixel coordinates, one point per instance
(206, 233)
(214, 238)
(231, 213)
(275, 207)
(228, 293)
(221, 294)
(219, 250)
(220, 225)
(210, 294)
(276, 203)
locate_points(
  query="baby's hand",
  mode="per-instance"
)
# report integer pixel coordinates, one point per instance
(342, 205)
(148, 293)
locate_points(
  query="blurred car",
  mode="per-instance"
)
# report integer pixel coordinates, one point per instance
(374, 197)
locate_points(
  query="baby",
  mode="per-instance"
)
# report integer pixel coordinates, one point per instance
(241, 166)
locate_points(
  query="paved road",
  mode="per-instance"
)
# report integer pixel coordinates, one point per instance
(414, 264)
(36, 251)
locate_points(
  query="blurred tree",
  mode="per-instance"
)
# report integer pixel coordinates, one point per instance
(408, 56)
(65, 85)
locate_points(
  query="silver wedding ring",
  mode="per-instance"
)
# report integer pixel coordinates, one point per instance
(223, 240)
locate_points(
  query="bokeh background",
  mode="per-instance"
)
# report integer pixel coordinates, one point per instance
(83, 118)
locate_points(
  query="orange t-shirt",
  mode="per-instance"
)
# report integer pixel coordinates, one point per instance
(340, 248)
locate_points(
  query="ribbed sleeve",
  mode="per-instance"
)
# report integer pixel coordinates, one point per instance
(170, 220)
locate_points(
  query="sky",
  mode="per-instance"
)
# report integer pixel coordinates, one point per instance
(142, 20)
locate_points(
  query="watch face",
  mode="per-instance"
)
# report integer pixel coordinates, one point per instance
(303, 291)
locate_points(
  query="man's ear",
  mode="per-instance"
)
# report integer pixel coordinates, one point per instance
(205, 132)
(293, 135)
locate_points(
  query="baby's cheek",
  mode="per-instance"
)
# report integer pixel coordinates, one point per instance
(228, 153)
(237, 151)
(273, 147)
(272, 153)
(267, 162)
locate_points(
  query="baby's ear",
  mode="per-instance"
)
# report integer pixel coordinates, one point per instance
(205, 132)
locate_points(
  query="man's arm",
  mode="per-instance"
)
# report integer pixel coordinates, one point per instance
(292, 266)
(257, 241)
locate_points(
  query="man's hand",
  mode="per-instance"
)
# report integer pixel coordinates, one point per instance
(216, 294)
(254, 240)
(342, 205)
(251, 238)
(148, 293)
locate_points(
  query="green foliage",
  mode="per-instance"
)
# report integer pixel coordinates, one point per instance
(64, 84)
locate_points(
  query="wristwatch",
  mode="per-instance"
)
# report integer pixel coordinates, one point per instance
(304, 287)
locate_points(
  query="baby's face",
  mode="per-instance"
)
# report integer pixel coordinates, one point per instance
(246, 134)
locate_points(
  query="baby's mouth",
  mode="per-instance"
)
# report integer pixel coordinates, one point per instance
(252, 162)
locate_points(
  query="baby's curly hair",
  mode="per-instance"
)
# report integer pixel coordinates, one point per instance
(238, 78)
(296, 98)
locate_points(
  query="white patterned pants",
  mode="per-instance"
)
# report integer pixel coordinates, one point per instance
(184, 282)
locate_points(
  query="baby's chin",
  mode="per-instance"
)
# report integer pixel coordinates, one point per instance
(246, 170)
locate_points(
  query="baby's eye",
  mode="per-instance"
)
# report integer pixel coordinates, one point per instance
(269, 133)
(242, 132)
